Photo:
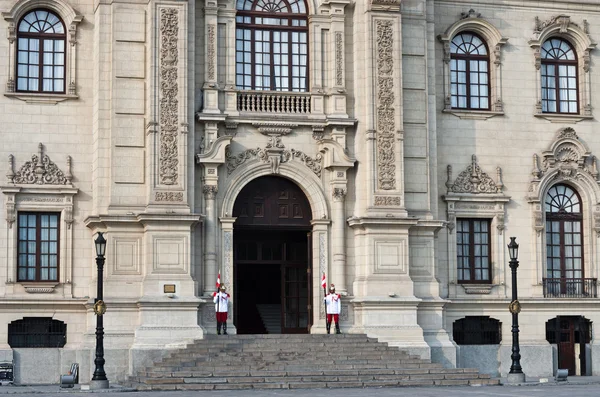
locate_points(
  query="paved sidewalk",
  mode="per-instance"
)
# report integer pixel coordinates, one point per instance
(575, 386)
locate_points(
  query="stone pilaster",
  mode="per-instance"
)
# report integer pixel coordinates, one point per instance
(211, 88)
(169, 124)
(211, 159)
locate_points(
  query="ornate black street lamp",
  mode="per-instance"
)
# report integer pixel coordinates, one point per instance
(516, 374)
(99, 380)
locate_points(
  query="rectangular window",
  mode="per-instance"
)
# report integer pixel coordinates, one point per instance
(473, 242)
(38, 246)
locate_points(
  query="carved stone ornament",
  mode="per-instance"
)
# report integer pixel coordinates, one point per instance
(386, 2)
(168, 196)
(210, 191)
(275, 129)
(470, 14)
(168, 104)
(566, 159)
(339, 193)
(318, 132)
(386, 112)
(387, 201)
(40, 170)
(339, 59)
(474, 180)
(275, 154)
(210, 41)
(561, 20)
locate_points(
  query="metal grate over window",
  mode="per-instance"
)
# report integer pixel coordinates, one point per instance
(37, 332)
(477, 330)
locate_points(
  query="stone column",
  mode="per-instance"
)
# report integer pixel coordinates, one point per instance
(210, 232)
(227, 266)
(320, 253)
(338, 237)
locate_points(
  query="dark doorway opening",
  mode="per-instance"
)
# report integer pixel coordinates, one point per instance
(272, 270)
(571, 334)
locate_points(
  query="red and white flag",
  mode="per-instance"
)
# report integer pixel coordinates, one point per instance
(219, 280)
(324, 281)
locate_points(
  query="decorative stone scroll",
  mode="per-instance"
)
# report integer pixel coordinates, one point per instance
(275, 154)
(474, 180)
(567, 159)
(386, 112)
(169, 104)
(40, 170)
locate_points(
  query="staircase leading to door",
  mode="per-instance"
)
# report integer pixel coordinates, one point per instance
(296, 361)
(271, 317)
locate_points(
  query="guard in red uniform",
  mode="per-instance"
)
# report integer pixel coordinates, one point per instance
(333, 304)
(221, 300)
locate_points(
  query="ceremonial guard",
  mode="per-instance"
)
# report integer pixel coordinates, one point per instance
(333, 304)
(221, 299)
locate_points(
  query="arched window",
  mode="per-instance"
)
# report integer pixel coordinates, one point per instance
(41, 40)
(469, 72)
(477, 330)
(564, 242)
(559, 77)
(272, 45)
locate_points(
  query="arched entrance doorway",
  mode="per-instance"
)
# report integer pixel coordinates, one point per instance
(271, 266)
(571, 334)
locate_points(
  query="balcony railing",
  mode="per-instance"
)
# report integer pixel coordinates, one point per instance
(570, 288)
(273, 102)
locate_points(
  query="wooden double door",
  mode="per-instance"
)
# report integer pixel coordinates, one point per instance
(571, 334)
(272, 282)
(272, 267)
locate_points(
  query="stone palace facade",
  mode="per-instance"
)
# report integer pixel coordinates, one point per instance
(394, 145)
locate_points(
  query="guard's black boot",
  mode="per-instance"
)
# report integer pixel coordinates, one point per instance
(225, 328)
(328, 327)
(218, 328)
(337, 328)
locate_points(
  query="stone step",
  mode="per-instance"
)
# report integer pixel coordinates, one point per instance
(244, 383)
(220, 372)
(239, 362)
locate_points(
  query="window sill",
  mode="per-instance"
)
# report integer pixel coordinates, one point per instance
(51, 99)
(473, 114)
(45, 287)
(563, 118)
(478, 289)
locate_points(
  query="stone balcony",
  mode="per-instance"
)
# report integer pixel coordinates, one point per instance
(289, 103)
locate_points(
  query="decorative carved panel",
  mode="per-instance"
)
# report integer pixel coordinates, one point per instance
(386, 112)
(169, 103)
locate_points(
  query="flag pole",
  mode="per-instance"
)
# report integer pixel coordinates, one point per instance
(218, 294)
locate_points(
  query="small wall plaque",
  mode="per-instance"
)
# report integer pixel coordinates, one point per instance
(169, 288)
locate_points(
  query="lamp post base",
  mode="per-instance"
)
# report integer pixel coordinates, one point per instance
(513, 379)
(98, 384)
